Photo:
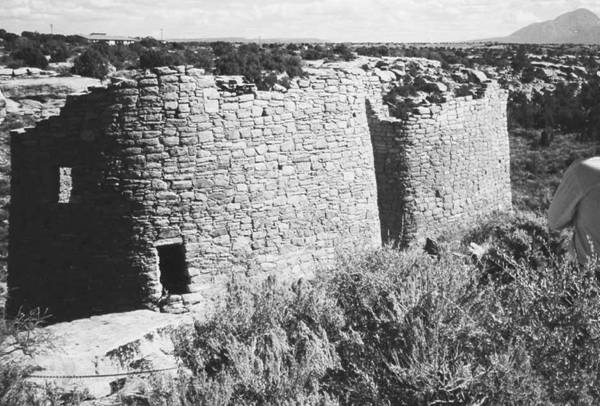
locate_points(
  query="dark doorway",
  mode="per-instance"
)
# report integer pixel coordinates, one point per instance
(173, 270)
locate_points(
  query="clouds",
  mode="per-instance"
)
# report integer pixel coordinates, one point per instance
(337, 20)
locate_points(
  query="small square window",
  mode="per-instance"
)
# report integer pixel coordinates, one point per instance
(65, 185)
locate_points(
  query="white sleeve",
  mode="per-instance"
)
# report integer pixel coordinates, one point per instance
(565, 201)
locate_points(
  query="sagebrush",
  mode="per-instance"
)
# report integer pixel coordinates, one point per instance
(400, 328)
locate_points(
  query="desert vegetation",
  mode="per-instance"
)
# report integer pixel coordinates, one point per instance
(569, 108)
(31, 48)
(517, 325)
(514, 323)
(502, 316)
(263, 65)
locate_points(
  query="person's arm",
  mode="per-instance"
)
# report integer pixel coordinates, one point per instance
(565, 201)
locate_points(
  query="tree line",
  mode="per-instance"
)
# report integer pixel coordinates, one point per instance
(570, 108)
(36, 50)
(262, 64)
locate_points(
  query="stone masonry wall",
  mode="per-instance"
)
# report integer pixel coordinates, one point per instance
(265, 183)
(451, 162)
(255, 183)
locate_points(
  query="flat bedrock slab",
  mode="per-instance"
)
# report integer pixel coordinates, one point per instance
(104, 345)
(53, 86)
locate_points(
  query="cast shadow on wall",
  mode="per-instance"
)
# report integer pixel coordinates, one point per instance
(72, 233)
(390, 153)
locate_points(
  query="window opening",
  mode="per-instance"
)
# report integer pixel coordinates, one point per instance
(65, 185)
(174, 276)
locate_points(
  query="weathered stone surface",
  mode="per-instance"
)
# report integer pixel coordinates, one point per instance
(266, 182)
(385, 75)
(104, 345)
(441, 87)
(451, 163)
(477, 75)
(54, 86)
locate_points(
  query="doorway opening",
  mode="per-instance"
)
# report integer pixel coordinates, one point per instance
(174, 276)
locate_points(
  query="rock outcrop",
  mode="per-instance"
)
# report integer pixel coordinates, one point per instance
(42, 97)
(55, 87)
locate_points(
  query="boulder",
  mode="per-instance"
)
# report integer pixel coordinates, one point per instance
(279, 88)
(164, 70)
(440, 87)
(398, 72)
(421, 110)
(432, 247)
(30, 107)
(423, 63)
(12, 106)
(399, 65)
(477, 75)
(385, 75)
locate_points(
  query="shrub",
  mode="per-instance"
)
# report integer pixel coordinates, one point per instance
(400, 328)
(524, 237)
(19, 336)
(200, 58)
(60, 53)
(31, 57)
(376, 51)
(159, 57)
(568, 107)
(221, 48)
(269, 80)
(263, 346)
(343, 52)
(92, 64)
(316, 52)
(520, 61)
(399, 319)
(463, 90)
(150, 42)
(257, 64)
(422, 84)
(530, 73)
(399, 102)
(120, 56)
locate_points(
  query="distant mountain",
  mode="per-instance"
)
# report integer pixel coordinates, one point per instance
(576, 27)
(248, 40)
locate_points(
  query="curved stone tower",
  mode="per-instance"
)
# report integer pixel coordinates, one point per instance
(165, 185)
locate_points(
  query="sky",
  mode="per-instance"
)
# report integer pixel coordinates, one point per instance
(332, 20)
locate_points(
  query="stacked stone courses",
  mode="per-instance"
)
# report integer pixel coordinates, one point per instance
(451, 162)
(261, 183)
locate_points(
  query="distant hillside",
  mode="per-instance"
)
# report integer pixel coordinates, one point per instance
(248, 40)
(577, 27)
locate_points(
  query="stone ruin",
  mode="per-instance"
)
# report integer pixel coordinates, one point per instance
(164, 185)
